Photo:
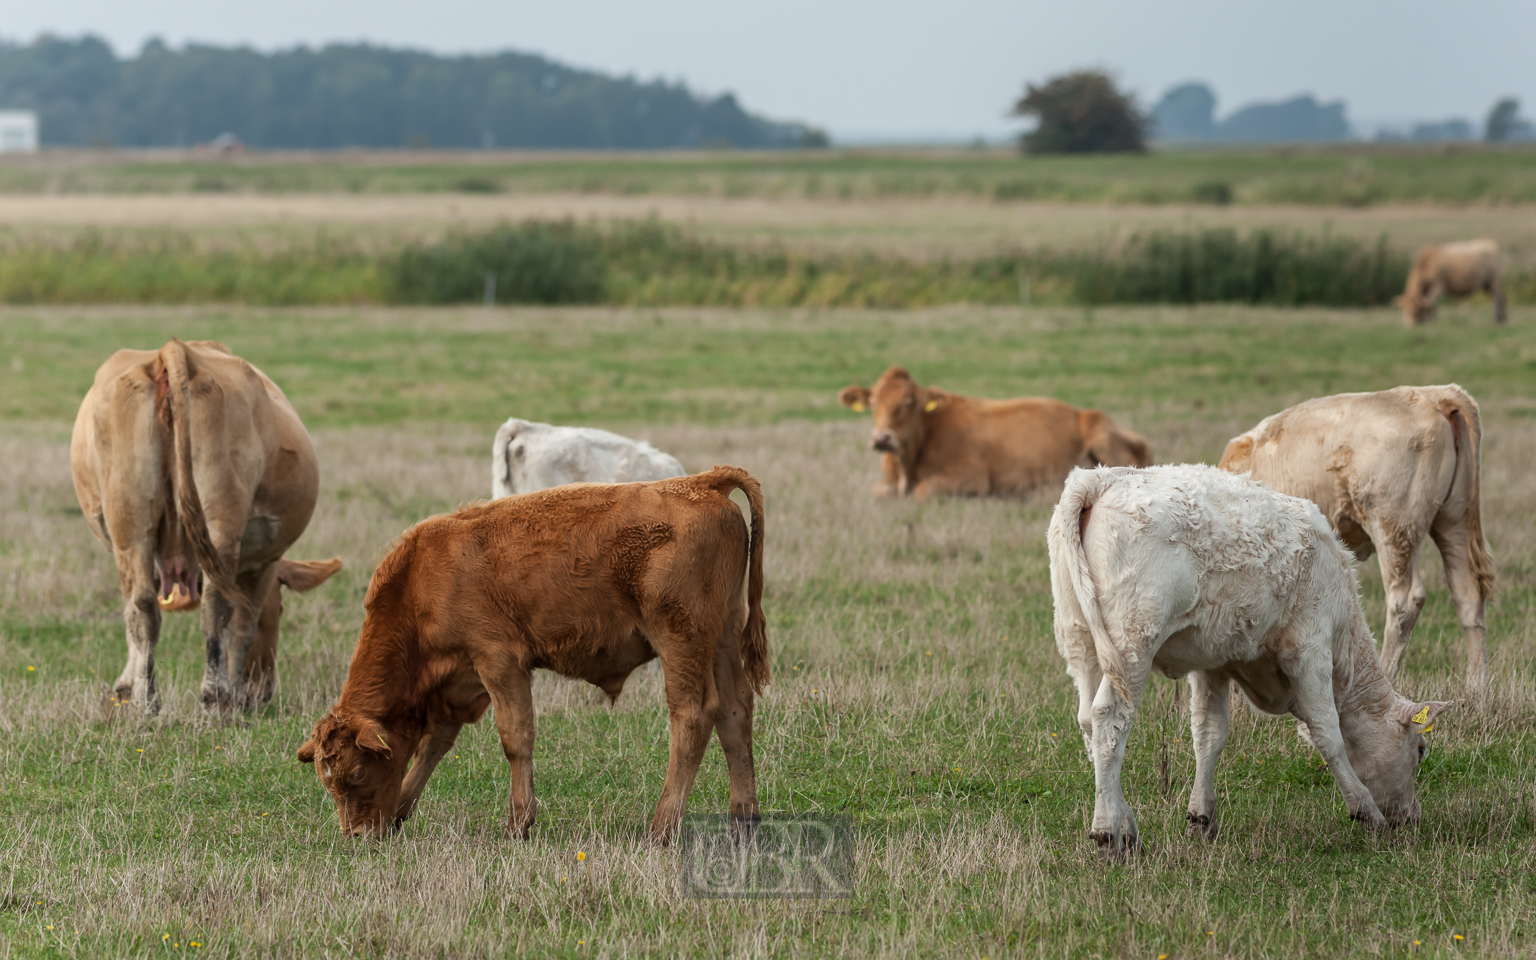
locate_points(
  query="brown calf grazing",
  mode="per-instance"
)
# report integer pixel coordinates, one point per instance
(937, 442)
(589, 580)
(1459, 269)
(190, 464)
(1388, 469)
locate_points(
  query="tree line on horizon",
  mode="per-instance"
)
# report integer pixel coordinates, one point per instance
(1085, 112)
(360, 95)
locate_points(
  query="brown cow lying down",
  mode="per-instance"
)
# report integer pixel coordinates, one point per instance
(937, 442)
(189, 464)
(1459, 269)
(1388, 469)
(588, 580)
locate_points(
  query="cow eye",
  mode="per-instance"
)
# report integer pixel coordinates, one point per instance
(357, 776)
(1423, 749)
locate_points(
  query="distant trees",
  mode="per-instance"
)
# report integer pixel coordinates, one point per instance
(1081, 112)
(1505, 123)
(1187, 112)
(359, 95)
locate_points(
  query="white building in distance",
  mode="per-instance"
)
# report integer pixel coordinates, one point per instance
(18, 131)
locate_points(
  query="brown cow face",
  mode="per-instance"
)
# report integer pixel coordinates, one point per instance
(900, 406)
(1416, 309)
(362, 765)
(1391, 753)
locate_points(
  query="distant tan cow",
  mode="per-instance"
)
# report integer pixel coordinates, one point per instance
(1458, 269)
(190, 464)
(1388, 469)
(940, 443)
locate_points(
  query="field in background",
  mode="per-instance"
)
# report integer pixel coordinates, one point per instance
(916, 684)
(1355, 175)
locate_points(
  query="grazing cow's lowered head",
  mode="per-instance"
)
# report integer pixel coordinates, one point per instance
(1385, 750)
(363, 766)
(1416, 306)
(900, 406)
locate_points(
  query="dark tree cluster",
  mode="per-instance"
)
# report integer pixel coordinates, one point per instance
(359, 95)
(1081, 112)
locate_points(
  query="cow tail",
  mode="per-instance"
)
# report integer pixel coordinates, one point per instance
(189, 506)
(501, 466)
(754, 636)
(1467, 428)
(1066, 536)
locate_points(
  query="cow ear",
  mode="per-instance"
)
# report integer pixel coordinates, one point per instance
(931, 400)
(307, 752)
(854, 398)
(1420, 717)
(1238, 457)
(372, 736)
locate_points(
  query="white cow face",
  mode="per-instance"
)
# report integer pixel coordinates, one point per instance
(1392, 752)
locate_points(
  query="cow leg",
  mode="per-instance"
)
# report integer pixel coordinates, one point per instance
(1087, 675)
(1500, 309)
(1399, 556)
(733, 725)
(1210, 720)
(1313, 704)
(1114, 709)
(512, 698)
(240, 634)
(216, 614)
(1455, 551)
(693, 703)
(261, 663)
(141, 618)
(428, 754)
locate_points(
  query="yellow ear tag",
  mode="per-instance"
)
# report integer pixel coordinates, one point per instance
(932, 406)
(1428, 728)
(858, 407)
(1421, 716)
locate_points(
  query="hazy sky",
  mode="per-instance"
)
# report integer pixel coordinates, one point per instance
(897, 67)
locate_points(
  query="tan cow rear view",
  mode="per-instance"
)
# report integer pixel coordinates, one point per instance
(1458, 269)
(190, 464)
(1388, 469)
(589, 580)
(937, 442)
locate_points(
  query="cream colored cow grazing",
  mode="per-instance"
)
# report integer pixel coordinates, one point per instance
(1198, 572)
(1459, 269)
(1388, 469)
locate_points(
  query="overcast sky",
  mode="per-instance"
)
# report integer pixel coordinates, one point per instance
(898, 68)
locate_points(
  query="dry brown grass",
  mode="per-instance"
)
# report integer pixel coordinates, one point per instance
(920, 228)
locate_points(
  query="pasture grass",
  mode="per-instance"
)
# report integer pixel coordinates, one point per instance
(916, 689)
(1345, 175)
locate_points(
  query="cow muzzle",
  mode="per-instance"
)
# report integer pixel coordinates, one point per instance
(885, 441)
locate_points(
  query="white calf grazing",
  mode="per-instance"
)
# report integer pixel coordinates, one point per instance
(534, 456)
(1196, 571)
(1388, 469)
(1459, 269)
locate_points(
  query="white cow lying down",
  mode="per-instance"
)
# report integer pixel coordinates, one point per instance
(1196, 571)
(533, 456)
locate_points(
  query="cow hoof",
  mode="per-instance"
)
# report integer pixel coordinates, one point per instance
(1115, 845)
(215, 700)
(744, 829)
(1201, 827)
(1371, 818)
(517, 832)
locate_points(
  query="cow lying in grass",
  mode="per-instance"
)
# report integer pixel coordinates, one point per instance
(528, 456)
(939, 443)
(588, 580)
(1458, 269)
(1388, 469)
(1196, 571)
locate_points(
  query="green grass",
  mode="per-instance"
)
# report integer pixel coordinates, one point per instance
(1348, 175)
(916, 686)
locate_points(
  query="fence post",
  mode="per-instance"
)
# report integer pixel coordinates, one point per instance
(490, 288)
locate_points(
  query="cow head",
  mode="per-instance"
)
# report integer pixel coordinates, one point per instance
(1390, 750)
(901, 410)
(362, 764)
(1416, 301)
